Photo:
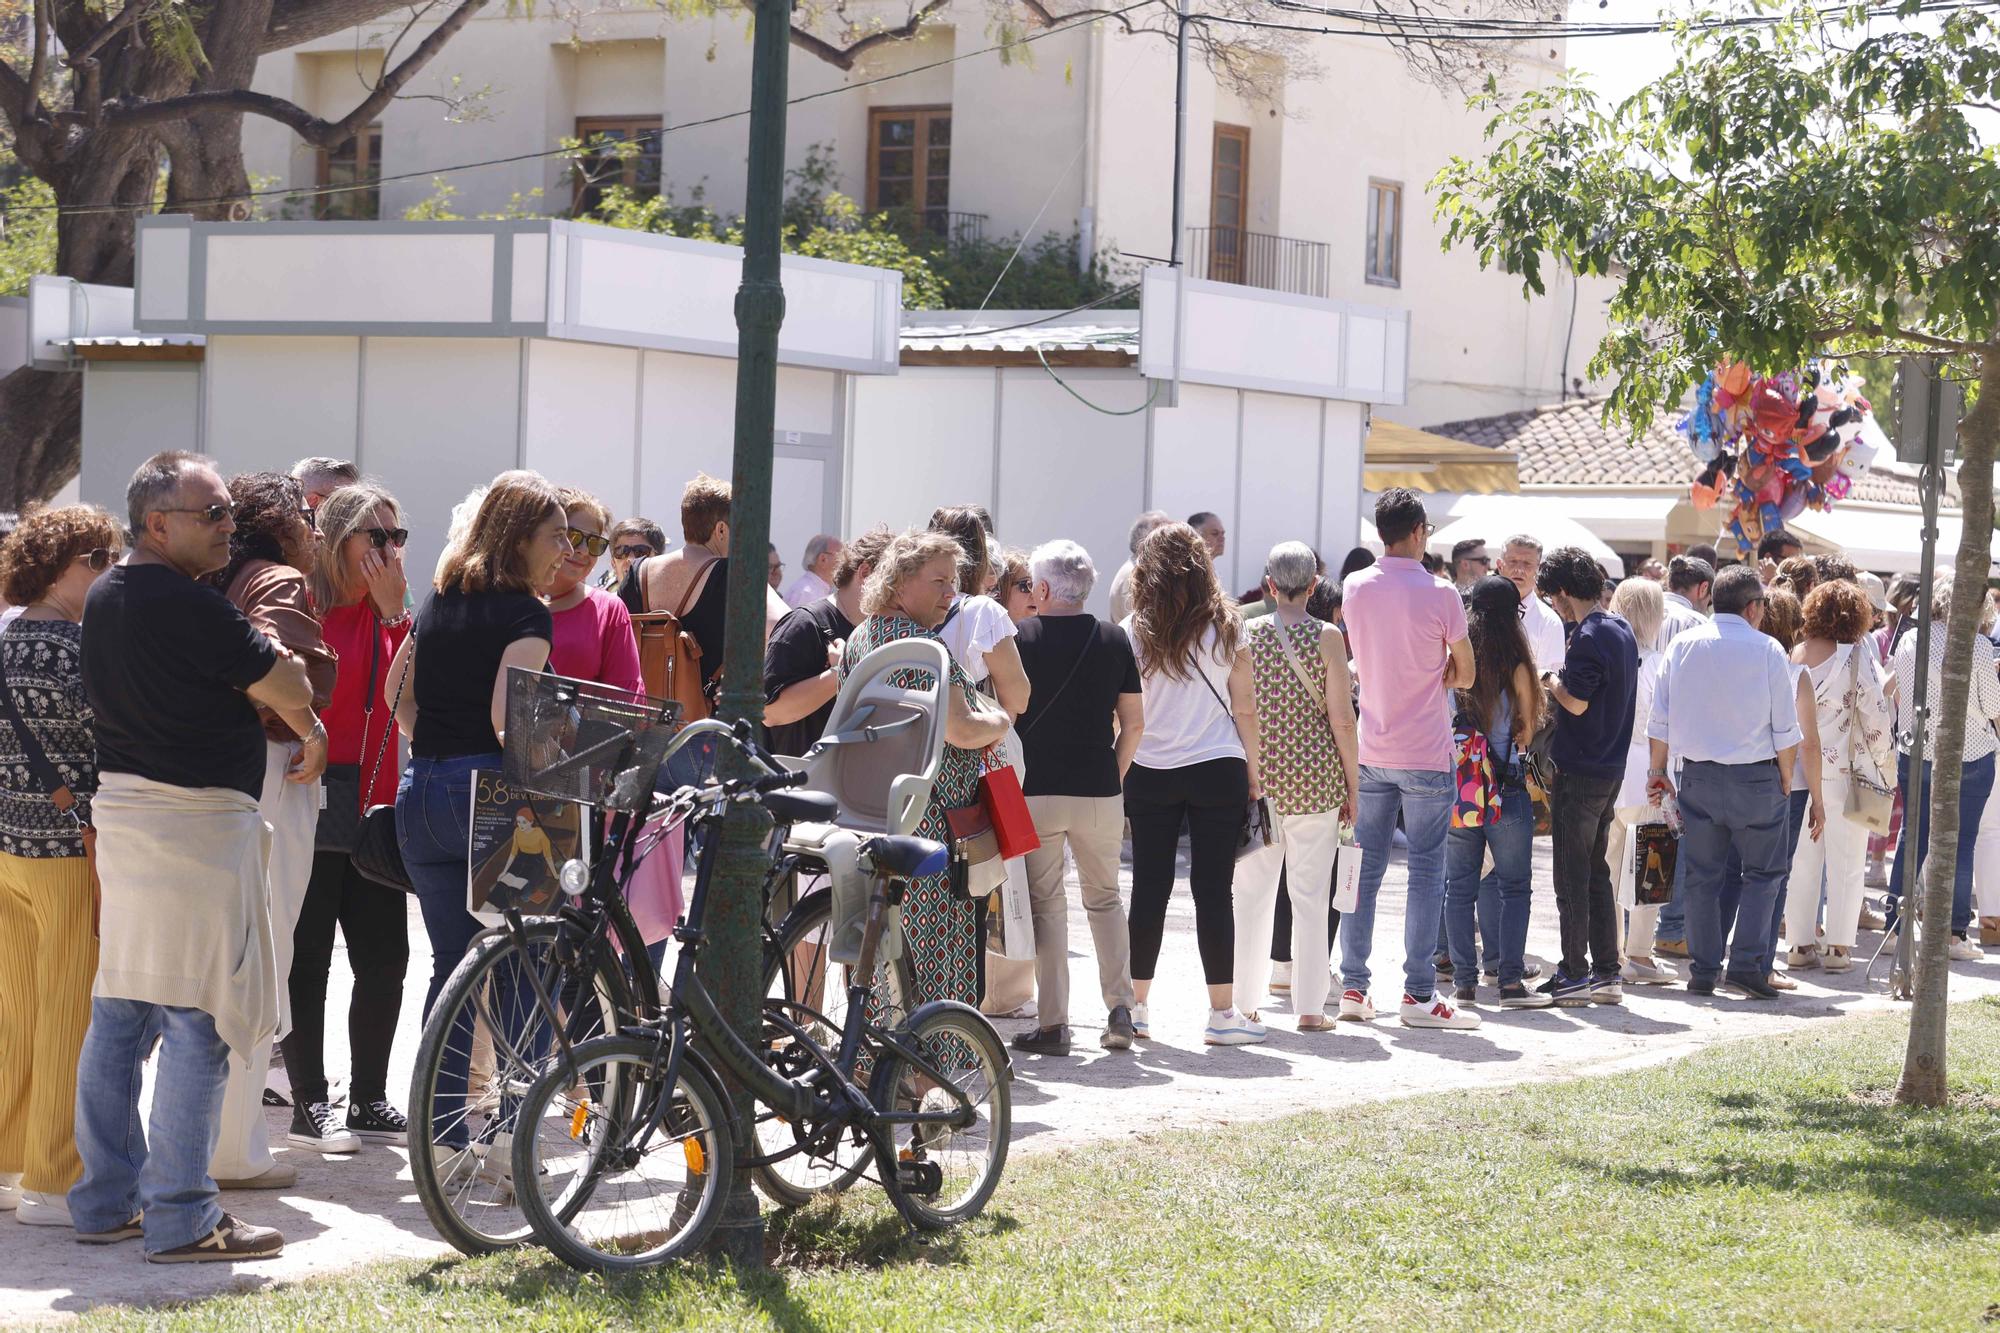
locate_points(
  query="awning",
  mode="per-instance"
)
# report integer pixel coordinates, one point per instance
(1397, 455)
(1494, 518)
(1631, 520)
(1884, 540)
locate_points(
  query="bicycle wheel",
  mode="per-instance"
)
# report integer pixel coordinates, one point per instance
(629, 1179)
(944, 1174)
(796, 970)
(463, 1101)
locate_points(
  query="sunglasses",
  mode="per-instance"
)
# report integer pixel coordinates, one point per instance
(100, 559)
(381, 537)
(208, 513)
(631, 552)
(589, 541)
(1024, 585)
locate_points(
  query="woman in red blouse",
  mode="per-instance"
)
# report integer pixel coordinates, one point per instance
(359, 588)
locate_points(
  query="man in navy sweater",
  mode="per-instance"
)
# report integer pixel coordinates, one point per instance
(1595, 692)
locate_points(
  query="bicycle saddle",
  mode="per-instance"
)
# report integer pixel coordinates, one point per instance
(801, 807)
(904, 858)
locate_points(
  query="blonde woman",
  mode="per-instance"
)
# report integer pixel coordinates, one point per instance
(1641, 604)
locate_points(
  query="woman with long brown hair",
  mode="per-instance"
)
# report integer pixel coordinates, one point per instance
(1196, 767)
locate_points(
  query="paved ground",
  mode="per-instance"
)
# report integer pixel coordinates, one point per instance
(351, 1210)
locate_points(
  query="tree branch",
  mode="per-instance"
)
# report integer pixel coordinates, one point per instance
(844, 57)
(124, 20)
(296, 21)
(314, 130)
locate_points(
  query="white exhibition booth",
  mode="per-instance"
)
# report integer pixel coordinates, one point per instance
(438, 354)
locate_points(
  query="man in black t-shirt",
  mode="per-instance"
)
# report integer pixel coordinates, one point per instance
(801, 661)
(174, 673)
(1078, 737)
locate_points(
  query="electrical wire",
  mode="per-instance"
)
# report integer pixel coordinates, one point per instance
(645, 136)
(1151, 394)
(1468, 27)
(1398, 27)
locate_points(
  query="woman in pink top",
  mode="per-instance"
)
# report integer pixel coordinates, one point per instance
(593, 630)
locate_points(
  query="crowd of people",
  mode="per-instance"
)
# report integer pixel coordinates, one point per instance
(207, 698)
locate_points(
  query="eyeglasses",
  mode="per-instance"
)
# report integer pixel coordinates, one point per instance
(208, 513)
(311, 517)
(589, 541)
(1024, 585)
(631, 552)
(381, 537)
(100, 559)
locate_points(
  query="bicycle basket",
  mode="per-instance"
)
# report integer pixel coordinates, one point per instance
(580, 741)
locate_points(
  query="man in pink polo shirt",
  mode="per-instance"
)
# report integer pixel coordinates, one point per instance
(1407, 629)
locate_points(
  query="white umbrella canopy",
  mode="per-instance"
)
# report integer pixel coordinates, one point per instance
(1494, 518)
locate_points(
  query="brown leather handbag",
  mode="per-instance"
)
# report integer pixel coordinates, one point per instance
(669, 656)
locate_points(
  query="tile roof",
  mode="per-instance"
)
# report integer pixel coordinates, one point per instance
(1568, 444)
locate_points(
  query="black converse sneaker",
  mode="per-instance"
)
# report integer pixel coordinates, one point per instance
(316, 1125)
(377, 1122)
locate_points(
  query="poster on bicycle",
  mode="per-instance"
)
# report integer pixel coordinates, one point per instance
(519, 843)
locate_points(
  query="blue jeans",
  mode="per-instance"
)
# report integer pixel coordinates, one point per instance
(433, 825)
(1500, 899)
(124, 1175)
(1738, 807)
(1974, 786)
(1424, 797)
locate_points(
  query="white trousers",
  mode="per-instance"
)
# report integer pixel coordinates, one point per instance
(242, 1149)
(1305, 855)
(1986, 859)
(1842, 854)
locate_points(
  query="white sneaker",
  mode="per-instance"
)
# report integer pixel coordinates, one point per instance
(1835, 959)
(1962, 951)
(1355, 1007)
(1281, 978)
(1650, 973)
(1436, 1012)
(10, 1191)
(1801, 956)
(1231, 1027)
(43, 1210)
(1142, 1021)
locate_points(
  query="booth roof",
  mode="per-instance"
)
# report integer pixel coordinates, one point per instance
(1568, 444)
(1101, 342)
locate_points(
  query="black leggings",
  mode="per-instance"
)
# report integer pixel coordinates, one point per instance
(1207, 799)
(375, 923)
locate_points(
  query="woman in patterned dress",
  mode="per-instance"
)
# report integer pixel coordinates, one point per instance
(1306, 740)
(48, 936)
(907, 596)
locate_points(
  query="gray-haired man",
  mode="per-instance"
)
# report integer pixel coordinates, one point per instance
(1078, 737)
(816, 580)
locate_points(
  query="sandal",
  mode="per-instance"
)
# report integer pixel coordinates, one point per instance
(1315, 1023)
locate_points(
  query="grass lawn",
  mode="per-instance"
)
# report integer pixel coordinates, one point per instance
(1761, 1185)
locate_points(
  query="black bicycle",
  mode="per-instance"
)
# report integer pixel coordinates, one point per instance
(630, 1141)
(538, 984)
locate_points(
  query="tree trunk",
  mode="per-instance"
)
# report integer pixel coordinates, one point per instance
(1923, 1080)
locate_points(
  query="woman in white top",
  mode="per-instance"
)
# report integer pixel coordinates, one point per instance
(1975, 784)
(1196, 766)
(1852, 712)
(1642, 606)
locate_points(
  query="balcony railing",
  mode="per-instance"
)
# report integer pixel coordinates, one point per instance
(1258, 259)
(957, 228)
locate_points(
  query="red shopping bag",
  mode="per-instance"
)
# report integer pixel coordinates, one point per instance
(1000, 793)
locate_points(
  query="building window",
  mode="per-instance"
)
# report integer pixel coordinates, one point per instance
(607, 160)
(358, 162)
(909, 164)
(1385, 233)
(1229, 203)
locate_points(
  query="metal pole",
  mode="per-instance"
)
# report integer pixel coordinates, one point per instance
(1929, 484)
(1180, 125)
(733, 958)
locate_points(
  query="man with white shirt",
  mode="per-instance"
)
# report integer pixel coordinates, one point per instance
(1689, 582)
(1520, 561)
(1726, 706)
(816, 582)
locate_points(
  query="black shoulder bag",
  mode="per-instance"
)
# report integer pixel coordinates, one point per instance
(377, 854)
(1259, 830)
(340, 813)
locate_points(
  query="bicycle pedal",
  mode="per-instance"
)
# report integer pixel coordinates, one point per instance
(923, 1178)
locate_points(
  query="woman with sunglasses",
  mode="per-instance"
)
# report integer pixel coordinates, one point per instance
(48, 939)
(272, 553)
(593, 630)
(359, 587)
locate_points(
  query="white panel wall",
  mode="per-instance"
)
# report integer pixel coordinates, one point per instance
(440, 278)
(689, 424)
(439, 417)
(1280, 495)
(1066, 471)
(921, 439)
(798, 507)
(132, 410)
(1194, 461)
(581, 421)
(272, 401)
(1340, 497)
